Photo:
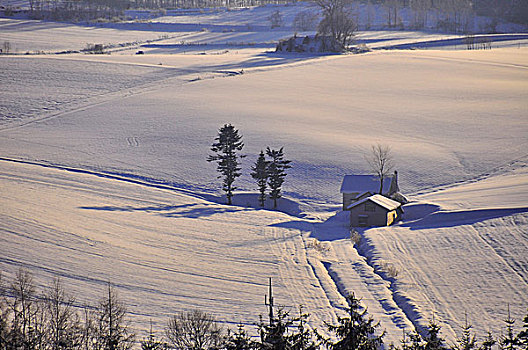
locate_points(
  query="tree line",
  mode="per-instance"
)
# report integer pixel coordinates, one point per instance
(52, 319)
(269, 170)
(451, 15)
(84, 10)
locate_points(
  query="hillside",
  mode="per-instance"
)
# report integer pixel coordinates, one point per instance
(103, 174)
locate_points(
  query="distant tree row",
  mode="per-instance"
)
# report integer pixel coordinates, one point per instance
(450, 15)
(30, 320)
(268, 173)
(80, 10)
(341, 18)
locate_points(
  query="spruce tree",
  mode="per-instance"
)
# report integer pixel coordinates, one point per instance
(260, 174)
(467, 340)
(415, 341)
(354, 332)
(522, 337)
(239, 340)
(151, 343)
(276, 173)
(509, 341)
(274, 335)
(228, 143)
(488, 342)
(433, 341)
(302, 338)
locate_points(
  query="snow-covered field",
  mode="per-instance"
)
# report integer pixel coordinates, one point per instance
(85, 126)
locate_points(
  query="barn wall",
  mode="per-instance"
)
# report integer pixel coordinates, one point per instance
(378, 217)
(348, 198)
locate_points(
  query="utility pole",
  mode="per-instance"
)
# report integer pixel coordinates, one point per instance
(269, 302)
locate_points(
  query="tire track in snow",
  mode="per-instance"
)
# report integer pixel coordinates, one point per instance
(446, 271)
(290, 247)
(518, 263)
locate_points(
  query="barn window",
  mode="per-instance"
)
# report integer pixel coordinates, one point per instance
(363, 220)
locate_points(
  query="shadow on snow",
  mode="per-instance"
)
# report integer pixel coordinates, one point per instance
(192, 211)
(442, 219)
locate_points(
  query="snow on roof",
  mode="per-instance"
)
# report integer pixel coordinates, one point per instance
(364, 183)
(380, 200)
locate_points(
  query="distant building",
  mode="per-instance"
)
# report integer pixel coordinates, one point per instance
(313, 44)
(357, 187)
(375, 210)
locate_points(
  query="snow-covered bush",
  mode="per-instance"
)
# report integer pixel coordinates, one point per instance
(355, 237)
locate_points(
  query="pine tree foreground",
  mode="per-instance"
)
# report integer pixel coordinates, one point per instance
(355, 331)
(31, 320)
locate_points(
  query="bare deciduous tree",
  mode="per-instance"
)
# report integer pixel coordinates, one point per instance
(112, 328)
(381, 162)
(26, 329)
(337, 21)
(305, 20)
(193, 330)
(64, 329)
(4, 317)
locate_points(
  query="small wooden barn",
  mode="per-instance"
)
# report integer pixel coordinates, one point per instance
(375, 210)
(357, 187)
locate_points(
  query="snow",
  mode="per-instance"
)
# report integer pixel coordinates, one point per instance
(91, 230)
(383, 201)
(432, 98)
(104, 175)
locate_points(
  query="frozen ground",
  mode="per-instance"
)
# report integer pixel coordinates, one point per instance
(456, 120)
(466, 246)
(449, 117)
(166, 251)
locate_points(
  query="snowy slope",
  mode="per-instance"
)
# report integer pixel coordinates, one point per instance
(460, 250)
(448, 117)
(456, 121)
(167, 251)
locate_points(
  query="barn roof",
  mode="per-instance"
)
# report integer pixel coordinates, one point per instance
(364, 183)
(380, 200)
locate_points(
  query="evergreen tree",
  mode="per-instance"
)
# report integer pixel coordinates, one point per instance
(228, 143)
(522, 337)
(412, 341)
(276, 173)
(433, 340)
(302, 339)
(239, 340)
(356, 331)
(151, 343)
(274, 335)
(509, 341)
(467, 340)
(260, 174)
(282, 332)
(488, 342)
